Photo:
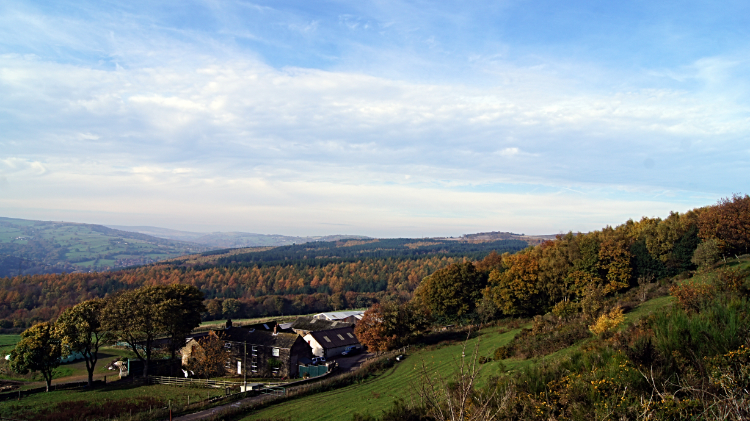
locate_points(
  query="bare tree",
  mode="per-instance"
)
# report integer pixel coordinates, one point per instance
(456, 398)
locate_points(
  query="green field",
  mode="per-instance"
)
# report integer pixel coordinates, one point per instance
(115, 400)
(55, 246)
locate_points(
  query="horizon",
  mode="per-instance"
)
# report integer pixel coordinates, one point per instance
(384, 119)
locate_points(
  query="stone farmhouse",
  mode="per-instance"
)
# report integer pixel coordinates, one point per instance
(259, 352)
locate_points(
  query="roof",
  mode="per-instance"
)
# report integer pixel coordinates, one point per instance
(310, 324)
(281, 339)
(339, 315)
(335, 338)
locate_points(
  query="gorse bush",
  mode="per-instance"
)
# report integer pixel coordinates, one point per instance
(608, 322)
(720, 326)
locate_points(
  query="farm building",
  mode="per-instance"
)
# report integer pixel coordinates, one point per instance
(330, 343)
(352, 316)
(304, 325)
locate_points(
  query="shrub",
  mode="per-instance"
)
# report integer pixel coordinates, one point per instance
(608, 322)
(707, 253)
(691, 296)
(502, 353)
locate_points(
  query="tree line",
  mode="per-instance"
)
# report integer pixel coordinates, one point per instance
(136, 317)
(562, 274)
(245, 291)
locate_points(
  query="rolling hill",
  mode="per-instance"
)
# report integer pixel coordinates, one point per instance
(35, 247)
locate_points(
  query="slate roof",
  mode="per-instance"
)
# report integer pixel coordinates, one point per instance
(310, 324)
(282, 339)
(335, 338)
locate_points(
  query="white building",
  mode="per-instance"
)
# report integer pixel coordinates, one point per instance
(329, 343)
(352, 316)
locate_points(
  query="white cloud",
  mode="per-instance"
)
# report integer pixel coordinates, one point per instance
(130, 117)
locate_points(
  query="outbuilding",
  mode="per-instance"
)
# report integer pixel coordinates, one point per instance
(330, 343)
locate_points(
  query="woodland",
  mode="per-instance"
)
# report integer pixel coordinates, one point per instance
(300, 279)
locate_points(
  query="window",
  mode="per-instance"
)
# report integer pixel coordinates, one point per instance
(326, 338)
(275, 352)
(350, 335)
(340, 337)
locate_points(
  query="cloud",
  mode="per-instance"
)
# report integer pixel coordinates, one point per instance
(21, 167)
(375, 116)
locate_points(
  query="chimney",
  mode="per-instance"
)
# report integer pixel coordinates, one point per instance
(274, 328)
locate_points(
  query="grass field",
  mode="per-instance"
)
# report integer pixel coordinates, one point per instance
(116, 399)
(74, 371)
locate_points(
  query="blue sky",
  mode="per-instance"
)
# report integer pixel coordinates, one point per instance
(384, 118)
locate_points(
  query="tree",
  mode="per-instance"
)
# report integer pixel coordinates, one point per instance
(181, 313)
(729, 222)
(371, 330)
(208, 357)
(139, 316)
(389, 325)
(516, 291)
(38, 350)
(80, 330)
(453, 291)
(230, 307)
(133, 316)
(707, 253)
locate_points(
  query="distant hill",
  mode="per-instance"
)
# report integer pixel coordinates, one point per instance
(36, 247)
(498, 235)
(225, 240)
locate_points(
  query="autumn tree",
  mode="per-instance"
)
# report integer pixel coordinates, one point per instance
(516, 290)
(371, 330)
(729, 222)
(452, 292)
(389, 325)
(208, 357)
(614, 262)
(80, 330)
(38, 350)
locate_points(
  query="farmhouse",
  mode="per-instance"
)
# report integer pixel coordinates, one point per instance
(258, 353)
(329, 343)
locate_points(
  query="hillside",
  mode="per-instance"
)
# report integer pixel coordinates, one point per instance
(36, 247)
(218, 240)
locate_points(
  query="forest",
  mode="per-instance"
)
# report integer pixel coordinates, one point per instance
(284, 280)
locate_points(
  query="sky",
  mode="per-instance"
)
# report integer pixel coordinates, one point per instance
(382, 118)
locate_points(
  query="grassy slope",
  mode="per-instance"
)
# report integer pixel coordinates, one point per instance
(83, 246)
(377, 394)
(114, 391)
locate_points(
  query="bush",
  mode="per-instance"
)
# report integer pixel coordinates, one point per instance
(608, 322)
(691, 296)
(502, 353)
(707, 253)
